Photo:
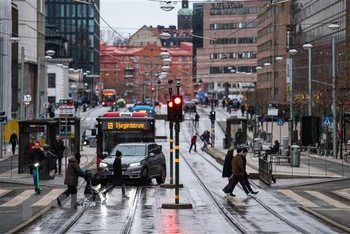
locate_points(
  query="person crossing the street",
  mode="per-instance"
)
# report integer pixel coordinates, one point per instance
(227, 169)
(246, 175)
(36, 159)
(193, 143)
(57, 148)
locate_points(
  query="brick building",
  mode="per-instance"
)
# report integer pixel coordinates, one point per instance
(131, 70)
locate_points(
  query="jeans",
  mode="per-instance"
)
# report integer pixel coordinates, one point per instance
(36, 177)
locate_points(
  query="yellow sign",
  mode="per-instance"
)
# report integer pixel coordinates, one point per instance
(125, 126)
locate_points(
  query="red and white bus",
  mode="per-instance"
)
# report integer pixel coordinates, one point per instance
(118, 127)
(66, 106)
(108, 97)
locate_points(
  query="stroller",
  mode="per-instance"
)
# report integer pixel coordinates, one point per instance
(93, 185)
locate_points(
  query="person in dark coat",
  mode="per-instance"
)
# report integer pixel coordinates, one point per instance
(71, 180)
(117, 175)
(13, 141)
(238, 173)
(36, 155)
(245, 151)
(196, 120)
(57, 148)
(227, 169)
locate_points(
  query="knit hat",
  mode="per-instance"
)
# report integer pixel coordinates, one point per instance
(239, 150)
(118, 153)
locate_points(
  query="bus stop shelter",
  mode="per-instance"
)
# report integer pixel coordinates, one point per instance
(69, 131)
(43, 131)
(233, 124)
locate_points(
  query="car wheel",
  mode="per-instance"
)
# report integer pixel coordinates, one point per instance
(161, 178)
(144, 177)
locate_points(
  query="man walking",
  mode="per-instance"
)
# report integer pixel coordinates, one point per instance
(196, 120)
(117, 175)
(227, 169)
(238, 173)
(57, 149)
(245, 151)
(13, 141)
(193, 143)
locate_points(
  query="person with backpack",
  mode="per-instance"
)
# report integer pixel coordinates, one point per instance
(227, 169)
(193, 143)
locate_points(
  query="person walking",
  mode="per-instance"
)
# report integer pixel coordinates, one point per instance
(196, 120)
(57, 148)
(71, 180)
(193, 143)
(117, 175)
(238, 173)
(227, 169)
(13, 141)
(36, 158)
(245, 151)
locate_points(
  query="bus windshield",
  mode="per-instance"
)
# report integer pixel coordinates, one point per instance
(108, 98)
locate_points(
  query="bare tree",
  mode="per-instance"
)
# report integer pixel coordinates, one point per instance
(112, 38)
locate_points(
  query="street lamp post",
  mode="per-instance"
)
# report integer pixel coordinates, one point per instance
(292, 52)
(334, 27)
(308, 47)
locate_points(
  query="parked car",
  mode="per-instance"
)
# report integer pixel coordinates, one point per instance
(141, 162)
(195, 100)
(87, 135)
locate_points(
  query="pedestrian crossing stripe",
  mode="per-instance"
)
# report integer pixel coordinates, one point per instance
(296, 197)
(3, 192)
(48, 198)
(345, 193)
(19, 199)
(329, 200)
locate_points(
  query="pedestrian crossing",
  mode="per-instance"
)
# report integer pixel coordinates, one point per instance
(26, 195)
(316, 199)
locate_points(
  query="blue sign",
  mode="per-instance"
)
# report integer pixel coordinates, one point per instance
(327, 121)
(4, 122)
(41, 116)
(280, 121)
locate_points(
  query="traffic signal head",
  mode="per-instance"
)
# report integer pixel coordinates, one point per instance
(178, 102)
(2, 113)
(170, 109)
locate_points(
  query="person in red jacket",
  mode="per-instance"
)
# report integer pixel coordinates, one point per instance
(193, 143)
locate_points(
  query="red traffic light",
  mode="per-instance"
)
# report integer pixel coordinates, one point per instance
(170, 104)
(177, 100)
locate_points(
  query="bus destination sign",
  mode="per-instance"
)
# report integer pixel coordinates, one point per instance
(124, 126)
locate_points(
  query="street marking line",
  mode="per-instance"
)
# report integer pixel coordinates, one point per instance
(19, 199)
(327, 199)
(301, 200)
(4, 192)
(345, 193)
(48, 198)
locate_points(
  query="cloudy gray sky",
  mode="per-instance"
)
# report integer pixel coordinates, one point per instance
(127, 16)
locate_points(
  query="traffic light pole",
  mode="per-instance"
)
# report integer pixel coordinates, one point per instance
(177, 162)
(171, 127)
(212, 120)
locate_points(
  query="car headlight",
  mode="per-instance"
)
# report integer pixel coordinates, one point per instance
(103, 165)
(103, 103)
(85, 142)
(135, 165)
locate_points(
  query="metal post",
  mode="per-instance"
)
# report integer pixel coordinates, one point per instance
(310, 88)
(177, 162)
(291, 102)
(1, 87)
(22, 85)
(334, 101)
(144, 88)
(151, 82)
(212, 125)
(272, 131)
(66, 150)
(171, 127)
(37, 113)
(46, 84)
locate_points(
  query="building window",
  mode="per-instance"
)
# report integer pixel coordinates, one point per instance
(51, 100)
(51, 80)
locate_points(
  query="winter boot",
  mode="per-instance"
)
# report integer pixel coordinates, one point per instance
(61, 198)
(73, 200)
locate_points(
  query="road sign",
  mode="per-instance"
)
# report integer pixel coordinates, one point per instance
(27, 98)
(327, 121)
(46, 105)
(280, 121)
(4, 122)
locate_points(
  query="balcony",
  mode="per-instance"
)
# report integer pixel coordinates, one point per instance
(128, 68)
(128, 76)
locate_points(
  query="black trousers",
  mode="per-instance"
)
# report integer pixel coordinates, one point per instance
(234, 181)
(71, 190)
(195, 147)
(114, 185)
(59, 160)
(13, 148)
(247, 182)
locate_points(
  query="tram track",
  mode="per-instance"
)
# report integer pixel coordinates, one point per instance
(229, 215)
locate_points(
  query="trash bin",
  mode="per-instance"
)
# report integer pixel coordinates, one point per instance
(268, 137)
(295, 156)
(285, 142)
(256, 145)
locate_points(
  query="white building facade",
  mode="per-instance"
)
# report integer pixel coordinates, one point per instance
(58, 80)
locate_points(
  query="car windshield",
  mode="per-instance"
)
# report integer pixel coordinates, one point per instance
(88, 133)
(129, 150)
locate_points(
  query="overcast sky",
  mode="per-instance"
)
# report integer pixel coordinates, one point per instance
(127, 16)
